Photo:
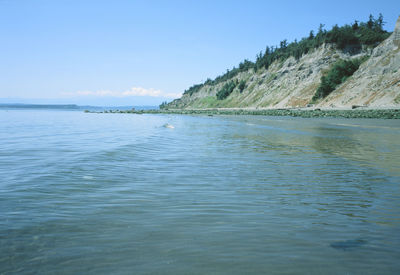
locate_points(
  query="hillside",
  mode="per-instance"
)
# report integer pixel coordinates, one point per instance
(290, 76)
(377, 82)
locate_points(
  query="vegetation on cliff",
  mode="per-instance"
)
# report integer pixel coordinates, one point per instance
(349, 38)
(338, 74)
(227, 89)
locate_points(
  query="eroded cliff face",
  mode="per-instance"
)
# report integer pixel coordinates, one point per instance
(377, 82)
(292, 83)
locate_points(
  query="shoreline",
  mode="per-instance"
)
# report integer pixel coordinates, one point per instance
(389, 113)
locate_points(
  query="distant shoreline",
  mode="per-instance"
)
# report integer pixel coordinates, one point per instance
(70, 107)
(357, 112)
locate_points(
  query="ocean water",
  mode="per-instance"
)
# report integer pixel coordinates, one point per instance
(122, 194)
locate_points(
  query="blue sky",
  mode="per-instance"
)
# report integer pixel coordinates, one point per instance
(144, 52)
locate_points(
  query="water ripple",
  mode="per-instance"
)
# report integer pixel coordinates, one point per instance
(88, 193)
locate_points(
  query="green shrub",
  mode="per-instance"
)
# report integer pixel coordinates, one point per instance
(242, 85)
(163, 105)
(338, 74)
(226, 90)
(193, 89)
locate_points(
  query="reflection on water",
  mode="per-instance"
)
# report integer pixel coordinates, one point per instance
(88, 193)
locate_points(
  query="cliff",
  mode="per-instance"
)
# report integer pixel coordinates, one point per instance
(377, 82)
(292, 82)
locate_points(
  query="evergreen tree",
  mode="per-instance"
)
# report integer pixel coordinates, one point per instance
(355, 26)
(370, 22)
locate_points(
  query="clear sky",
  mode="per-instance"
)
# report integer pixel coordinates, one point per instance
(119, 52)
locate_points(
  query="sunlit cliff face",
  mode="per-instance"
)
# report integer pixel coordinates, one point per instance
(396, 33)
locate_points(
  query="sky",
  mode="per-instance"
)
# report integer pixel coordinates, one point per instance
(114, 53)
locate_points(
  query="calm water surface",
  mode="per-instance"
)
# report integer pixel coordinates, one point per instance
(121, 194)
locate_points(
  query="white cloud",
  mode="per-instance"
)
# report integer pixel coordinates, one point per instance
(134, 91)
(139, 91)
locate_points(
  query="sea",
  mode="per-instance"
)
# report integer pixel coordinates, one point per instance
(93, 193)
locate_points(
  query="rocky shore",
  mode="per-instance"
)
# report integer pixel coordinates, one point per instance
(306, 113)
